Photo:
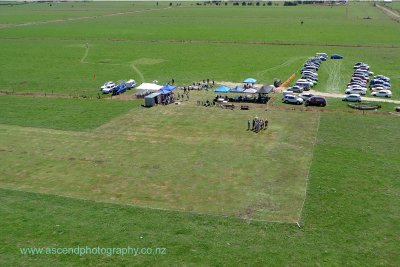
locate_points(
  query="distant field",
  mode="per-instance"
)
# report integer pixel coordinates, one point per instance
(184, 43)
(394, 5)
(38, 12)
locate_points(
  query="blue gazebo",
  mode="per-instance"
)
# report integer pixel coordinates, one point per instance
(168, 87)
(250, 80)
(222, 89)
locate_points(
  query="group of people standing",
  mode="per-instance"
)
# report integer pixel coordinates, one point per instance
(257, 124)
(167, 99)
(184, 95)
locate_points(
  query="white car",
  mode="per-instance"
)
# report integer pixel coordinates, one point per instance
(304, 83)
(131, 83)
(295, 89)
(305, 96)
(293, 99)
(378, 87)
(107, 87)
(352, 98)
(355, 90)
(285, 93)
(382, 93)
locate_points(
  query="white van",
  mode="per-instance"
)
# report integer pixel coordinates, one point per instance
(305, 84)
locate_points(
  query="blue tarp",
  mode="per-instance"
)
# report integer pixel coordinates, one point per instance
(237, 89)
(164, 91)
(250, 80)
(168, 87)
(222, 89)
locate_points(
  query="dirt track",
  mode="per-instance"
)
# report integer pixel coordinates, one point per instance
(393, 15)
(336, 95)
(6, 26)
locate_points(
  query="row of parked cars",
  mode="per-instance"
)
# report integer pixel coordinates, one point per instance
(309, 74)
(307, 98)
(309, 78)
(358, 83)
(357, 87)
(116, 89)
(380, 86)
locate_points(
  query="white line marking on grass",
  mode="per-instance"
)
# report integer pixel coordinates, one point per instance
(86, 54)
(24, 24)
(146, 207)
(308, 172)
(284, 64)
(137, 71)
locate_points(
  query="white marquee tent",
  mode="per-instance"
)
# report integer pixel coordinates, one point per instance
(149, 87)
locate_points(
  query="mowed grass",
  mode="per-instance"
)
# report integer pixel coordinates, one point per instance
(183, 158)
(350, 216)
(60, 113)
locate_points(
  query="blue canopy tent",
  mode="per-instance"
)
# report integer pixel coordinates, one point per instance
(168, 87)
(222, 89)
(250, 80)
(237, 89)
(164, 91)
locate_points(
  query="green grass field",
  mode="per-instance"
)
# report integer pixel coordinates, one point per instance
(144, 157)
(183, 43)
(320, 187)
(350, 216)
(60, 113)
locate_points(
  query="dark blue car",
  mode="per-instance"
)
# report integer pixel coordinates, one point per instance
(336, 56)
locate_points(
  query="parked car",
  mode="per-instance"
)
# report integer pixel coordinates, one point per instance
(304, 84)
(315, 101)
(311, 81)
(382, 77)
(382, 93)
(309, 76)
(352, 98)
(356, 84)
(360, 91)
(336, 56)
(360, 64)
(305, 96)
(322, 56)
(292, 99)
(284, 93)
(296, 89)
(107, 87)
(379, 87)
(130, 84)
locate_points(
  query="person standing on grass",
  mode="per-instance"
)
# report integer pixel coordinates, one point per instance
(248, 125)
